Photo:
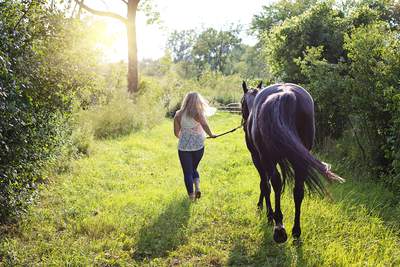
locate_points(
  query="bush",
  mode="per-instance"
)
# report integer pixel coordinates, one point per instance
(374, 94)
(82, 139)
(39, 76)
(123, 114)
(113, 119)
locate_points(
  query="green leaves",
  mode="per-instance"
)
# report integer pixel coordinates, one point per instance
(320, 25)
(39, 76)
(210, 49)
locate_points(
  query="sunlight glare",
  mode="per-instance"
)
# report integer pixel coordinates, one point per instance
(176, 15)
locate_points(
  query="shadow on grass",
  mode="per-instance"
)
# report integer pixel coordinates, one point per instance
(165, 233)
(268, 253)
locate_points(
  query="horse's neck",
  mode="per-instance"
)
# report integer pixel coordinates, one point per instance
(250, 104)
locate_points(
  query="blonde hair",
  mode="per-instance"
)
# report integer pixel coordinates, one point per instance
(194, 105)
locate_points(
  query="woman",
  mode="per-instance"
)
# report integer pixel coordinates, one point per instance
(190, 126)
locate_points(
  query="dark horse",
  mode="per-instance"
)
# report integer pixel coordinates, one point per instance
(279, 128)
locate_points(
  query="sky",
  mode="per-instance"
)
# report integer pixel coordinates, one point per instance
(175, 15)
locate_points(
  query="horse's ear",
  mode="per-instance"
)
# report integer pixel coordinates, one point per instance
(244, 86)
(259, 86)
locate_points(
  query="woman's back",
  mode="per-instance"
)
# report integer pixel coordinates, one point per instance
(192, 134)
(189, 123)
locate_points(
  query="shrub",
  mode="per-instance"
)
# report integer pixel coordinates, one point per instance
(82, 139)
(360, 97)
(123, 114)
(38, 79)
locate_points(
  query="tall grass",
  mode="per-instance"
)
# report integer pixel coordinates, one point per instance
(121, 115)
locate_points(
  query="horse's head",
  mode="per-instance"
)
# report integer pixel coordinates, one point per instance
(249, 94)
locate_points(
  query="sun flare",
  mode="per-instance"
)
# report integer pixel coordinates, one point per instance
(176, 15)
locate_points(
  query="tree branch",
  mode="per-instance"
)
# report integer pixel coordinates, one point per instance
(125, 1)
(73, 11)
(102, 13)
(23, 16)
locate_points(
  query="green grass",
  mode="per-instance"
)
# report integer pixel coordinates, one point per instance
(126, 205)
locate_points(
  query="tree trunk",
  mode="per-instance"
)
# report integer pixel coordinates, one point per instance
(133, 77)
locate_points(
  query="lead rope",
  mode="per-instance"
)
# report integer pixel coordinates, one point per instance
(230, 131)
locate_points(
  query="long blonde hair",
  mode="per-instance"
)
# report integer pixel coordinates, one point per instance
(194, 105)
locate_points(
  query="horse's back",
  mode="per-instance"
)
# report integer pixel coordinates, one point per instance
(301, 104)
(303, 98)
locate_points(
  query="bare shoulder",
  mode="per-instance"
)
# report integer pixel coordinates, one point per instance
(178, 114)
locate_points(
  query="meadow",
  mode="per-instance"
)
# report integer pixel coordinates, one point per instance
(125, 205)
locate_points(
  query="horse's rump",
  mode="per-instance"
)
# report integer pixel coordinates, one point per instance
(281, 143)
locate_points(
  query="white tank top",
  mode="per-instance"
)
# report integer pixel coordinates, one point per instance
(192, 135)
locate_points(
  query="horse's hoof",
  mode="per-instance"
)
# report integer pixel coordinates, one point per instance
(280, 235)
(259, 206)
(270, 220)
(297, 242)
(296, 232)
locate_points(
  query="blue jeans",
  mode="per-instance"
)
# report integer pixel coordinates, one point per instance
(189, 162)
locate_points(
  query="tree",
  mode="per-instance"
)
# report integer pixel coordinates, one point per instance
(276, 13)
(213, 48)
(321, 25)
(130, 22)
(180, 44)
(249, 63)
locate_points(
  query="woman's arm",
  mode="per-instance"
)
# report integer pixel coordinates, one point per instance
(203, 122)
(177, 124)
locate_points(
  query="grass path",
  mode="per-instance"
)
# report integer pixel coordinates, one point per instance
(125, 205)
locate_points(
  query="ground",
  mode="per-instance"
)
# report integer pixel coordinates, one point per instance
(126, 205)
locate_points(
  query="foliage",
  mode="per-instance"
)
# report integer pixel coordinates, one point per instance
(39, 77)
(123, 114)
(181, 43)
(117, 208)
(218, 89)
(374, 51)
(213, 48)
(276, 13)
(328, 89)
(318, 26)
(195, 53)
(250, 63)
(369, 91)
(149, 8)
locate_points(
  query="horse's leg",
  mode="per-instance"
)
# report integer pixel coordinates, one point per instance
(261, 197)
(306, 130)
(265, 189)
(298, 195)
(280, 235)
(261, 172)
(270, 212)
(265, 193)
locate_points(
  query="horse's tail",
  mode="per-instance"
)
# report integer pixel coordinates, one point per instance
(279, 132)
